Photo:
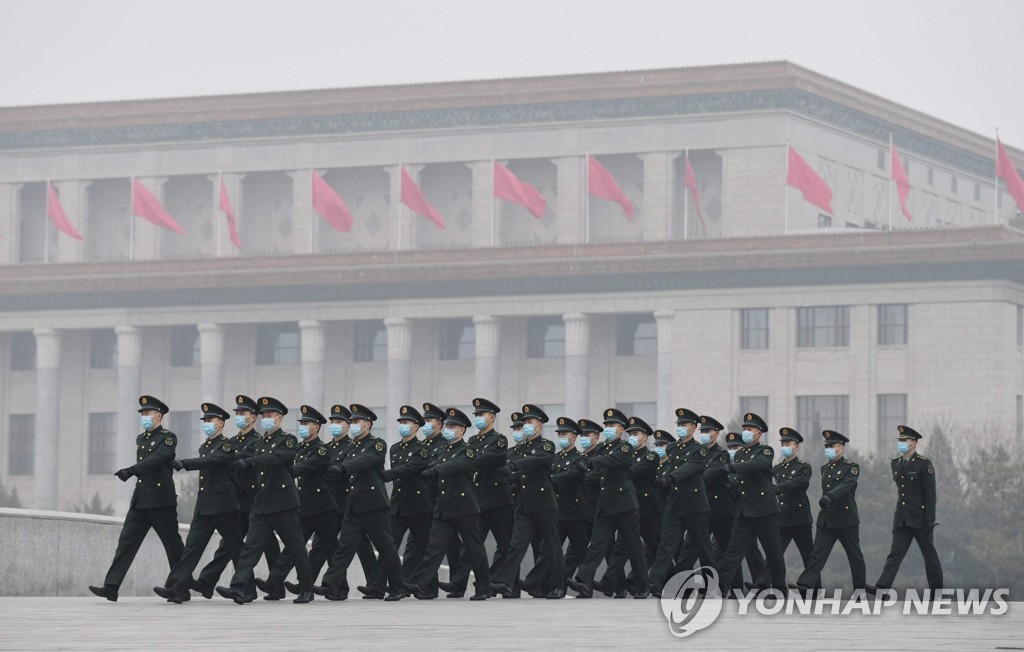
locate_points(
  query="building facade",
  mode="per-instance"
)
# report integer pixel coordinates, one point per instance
(749, 300)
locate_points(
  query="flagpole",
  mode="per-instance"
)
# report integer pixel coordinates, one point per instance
(586, 200)
(398, 243)
(785, 195)
(216, 209)
(892, 172)
(46, 220)
(686, 195)
(995, 182)
(131, 218)
(494, 209)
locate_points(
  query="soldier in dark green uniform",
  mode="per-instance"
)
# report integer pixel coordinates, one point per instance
(536, 509)
(216, 504)
(318, 512)
(492, 491)
(757, 509)
(838, 518)
(792, 477)
(410, 505)
(275, 508)
(247, 483)
(914, 519)
(686, 505)
(368, 510)
(592, 445)
(617, 510)
(456, 512)
(154, 501)
(434, 442)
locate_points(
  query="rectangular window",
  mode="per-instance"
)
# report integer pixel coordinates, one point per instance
(756, 404)
(824, 221)
(102, 442)
(545, 337)
(22, 445)
(371, 342)
(188, 428)
(184, 346)
(823, 326)
(458, 339)
(103, 349)
(278, 344)
(754, 328)
(637, 335)
(23, 351)
(646, 411)
(892, 411)
(892, 324)
(817, 413)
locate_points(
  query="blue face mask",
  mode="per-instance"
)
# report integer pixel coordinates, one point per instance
(209, 428)
(517, 436)
(427, 429)
(682, 432)
(748, 437)
(787, 451)
(267, 424)
(240, 422)
(480, 422)
(585, 443)
(903, 447)
(705, 439)
(660, 452)
(830, 453)
(448, 434)
(146, 422)
(610, 433)
(634, 441)
(529, 430)
(336, 429)
(404, 429)
(355, 430)
(563, 442)
(303, 432)
(732, 454)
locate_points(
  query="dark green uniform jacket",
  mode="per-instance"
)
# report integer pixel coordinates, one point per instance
(491, 452)
(533, 462)
(687, 495)
(618, 494)
(754, 477)
(409, 492)
(915, 480)
(247, 481)
(568, 482)
(792, 477)
(217, 492)
(643, 471)
(154, 486)
(273, 460)
(316, 496)
(839, 478)
(454, 465)
(721, 492)
(336, 448)
(364, 461)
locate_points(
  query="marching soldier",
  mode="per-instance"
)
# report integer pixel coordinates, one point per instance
(247, 483)
(492, 492)
(435, 443)
(792, 477)
(536, 512)
(686, 505)
(757, 511)
(456, 512)
(617, 511)
(216, 504)
(318, 512)
(368, 510)
(838, 518)
(592, 445)
(914, 518)
(154, 501)
(275, 508)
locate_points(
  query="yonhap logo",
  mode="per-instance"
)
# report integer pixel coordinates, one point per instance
(690, 601)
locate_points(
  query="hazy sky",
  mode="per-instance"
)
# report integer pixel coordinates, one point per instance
(959, 61)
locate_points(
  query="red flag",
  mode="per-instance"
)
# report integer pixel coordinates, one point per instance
(508, 187)
(802, 177)
(57, 214)
(146, 206)
(899, 175)
(1008, 173)
(691, 183)
(229, 212)
(413, 197)
(328, 204)
(601, 183)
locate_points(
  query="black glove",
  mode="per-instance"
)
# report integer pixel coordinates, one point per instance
(583, 464)
(508, 469)
(338, 472)
(124, 474)
(665, 481)
(825, 501)
(241, 465)
(178, 465)
(429, 473)
(928, 527)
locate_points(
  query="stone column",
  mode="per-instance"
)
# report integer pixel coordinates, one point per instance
(72, 198)
(9, 223)
(486, 332)
(47, 444)
(129, 354)
(663, 318)
(399, 368)
(577, 363)
(571, 201)
(658, 185)
(303, 226)
(312, 333)
(211, 362)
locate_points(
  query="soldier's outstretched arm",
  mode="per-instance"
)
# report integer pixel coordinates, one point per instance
(280, 455)
(414, 466)
(216, 458)
(847, 484)
(162, 455)
(314, 463)
(757, 463)
(802, 480)
(369, 458)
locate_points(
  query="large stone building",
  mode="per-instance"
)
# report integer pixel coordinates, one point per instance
(857, 320)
